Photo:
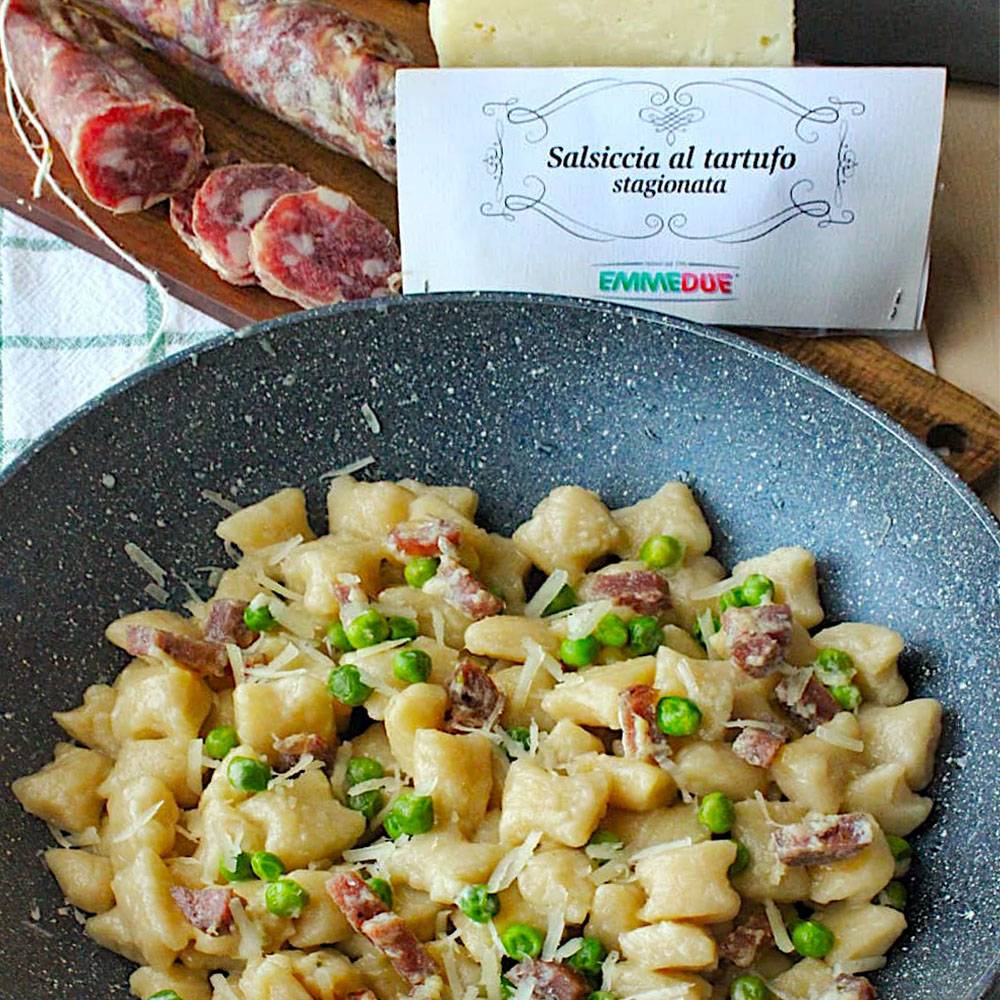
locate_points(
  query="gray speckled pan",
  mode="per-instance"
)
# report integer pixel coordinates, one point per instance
(511, 395)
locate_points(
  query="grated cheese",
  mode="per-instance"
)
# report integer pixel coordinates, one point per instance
(570, 948)
(390, 782)
(714, 589)
(350, 468)
(451, 975)
(138, 823)
(338, 779)
(707, 625)
(222, 989)
(582, 620)
(236, 662)
(771, 727)
(525, 989)
(88, 838)
(371, 419)
(220, 501)
(797, 685)
(146, 563)
(490, 970)
(274, 554)
(687, 677)
(296, 623)
(546, 593)
(602, 852)
(512, 863)
(675, 772)
(268, 583)
(194, 758)
(305, 763)
(778, 929)
(251, 944)
(607, 969)
(525, 680)
(762, 802)
(437, 625)
(828, 735)
(157, 593)
(854, 966)
(608, 872)
(670, 845)
(555, 926)
(368, 651)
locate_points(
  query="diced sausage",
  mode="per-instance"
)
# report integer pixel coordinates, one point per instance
(641, 736)
(757, 746)
(230, 201)
(369, 916)
(474, 698)
(757, 636)
(423, 538)
(746, 940)
(351, 598)
(645, 591)
(324, 70)
(319, 247)
(846, 987)
(811, 706)
(182, 203)
(225, 623)
(458, 587)
(201, 655)
(818, 840)
(206, 909)
(290, 749)
(129, 142)
(551, 980)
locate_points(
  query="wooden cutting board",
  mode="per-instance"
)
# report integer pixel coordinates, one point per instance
(963, 430)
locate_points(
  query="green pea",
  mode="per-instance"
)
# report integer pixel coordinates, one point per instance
(847, 696)
(381, 888)
(731, 599)
(506, 988)
(345, 684)
(579, 652)
(677, 716)
(285, 898)
(259, 619)
(716, 812)
(756, 588)
(563, 601)
(894, 895)
(644, 634)
(588, 958)
(749, 988)
(266, 866)
(403, 628)
(812, 939)
(900, 848)
(367, 629)
(337, 637)
(220, 741)
(418, 571)
(742, 860)
(411, 814)
(247, 774)
(601, 836)
(240, 871)
(834, 667)
(699, 636)
(166, 995)
(611, 631)
(369, 803)
(479, 904)
(603, 995)
(412, 666)
(520, 734)
(363, 769)
(522, 941)
(661, 551)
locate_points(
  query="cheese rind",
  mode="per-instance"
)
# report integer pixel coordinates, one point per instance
(613, 32)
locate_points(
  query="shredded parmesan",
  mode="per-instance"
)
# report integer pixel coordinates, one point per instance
(371, 419)
(350, 468)
(389, 782)
(828, 735)
(797, 685)
(546, 593)
(88, 838)
(138, 823)
(602, 852)
(608, 872)
(687, 677)
(268, 583)
(221, 987)
(571, 947)
(513, 862)
(525, 989)
(854, 966)
(368, 651)
(582, 620)
(525, 680)
(771, 727)
(675, 772)
(157, 593)
(194, 757)
(274, 554)
(220, 501)
(778, 929)
(338, 779)
(236, 662)
(296, 622)
(555, 926)
(451, 969)
(670, 845)
(437, 625)
(251, 944)
(490, 971)
(762, 802)
(607, 969)
(714, 589)
(305, 763)
(146, 563)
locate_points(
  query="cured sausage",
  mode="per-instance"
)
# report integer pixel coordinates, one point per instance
(846, 987)
(474, 698)
(129, 142)
(759, 747)
(550, 980)
(201, 655)
(225, 623)
(458, 586)
(757, 636)
(746, 940)
(182, 203)
(318, 247)
(641, 736)
(325, 71)
(226, 207)
(818, 840)
(423, 538)
(811, 705)
(206, 909)
(643, 590)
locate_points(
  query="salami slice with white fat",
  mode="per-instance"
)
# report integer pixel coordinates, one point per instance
(230, 201)
(182, 203)
(128, 140)
(318, 247)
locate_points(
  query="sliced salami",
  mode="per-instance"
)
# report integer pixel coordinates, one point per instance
(129, 141)
(230, 201)
(323, 70)
(182, 203)
(318, 247)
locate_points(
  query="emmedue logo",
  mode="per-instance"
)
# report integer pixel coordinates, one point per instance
(673, 282)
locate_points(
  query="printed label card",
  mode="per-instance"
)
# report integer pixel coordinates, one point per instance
(774, 197)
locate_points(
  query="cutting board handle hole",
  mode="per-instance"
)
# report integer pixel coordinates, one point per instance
(947, 439)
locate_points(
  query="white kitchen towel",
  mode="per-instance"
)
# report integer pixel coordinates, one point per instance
(70, 323)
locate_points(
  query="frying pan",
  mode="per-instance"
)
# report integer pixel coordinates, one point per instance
(511, 395)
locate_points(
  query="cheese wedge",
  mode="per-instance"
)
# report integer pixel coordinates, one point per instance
(613, 32)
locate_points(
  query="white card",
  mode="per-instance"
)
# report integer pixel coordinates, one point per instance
(772, 197)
